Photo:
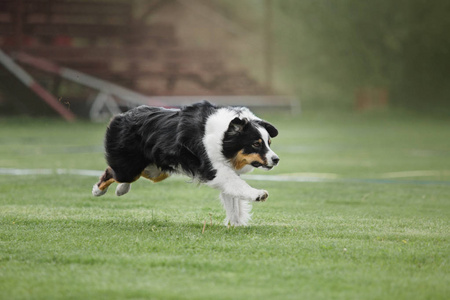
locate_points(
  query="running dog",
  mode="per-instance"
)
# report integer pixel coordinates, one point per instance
(213, 145)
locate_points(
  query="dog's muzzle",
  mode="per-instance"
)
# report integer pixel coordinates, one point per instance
(274, 160)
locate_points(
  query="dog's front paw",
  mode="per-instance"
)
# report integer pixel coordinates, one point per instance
(250, 194)
(263, 195)
(236, 223)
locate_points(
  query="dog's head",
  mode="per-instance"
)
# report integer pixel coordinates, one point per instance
(247, 142)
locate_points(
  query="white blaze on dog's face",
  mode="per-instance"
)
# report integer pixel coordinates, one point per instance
(248, 143)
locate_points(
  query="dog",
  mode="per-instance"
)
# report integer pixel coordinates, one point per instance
(213, 145)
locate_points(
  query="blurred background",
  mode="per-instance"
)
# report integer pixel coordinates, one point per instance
(359, 206)
(94, 58)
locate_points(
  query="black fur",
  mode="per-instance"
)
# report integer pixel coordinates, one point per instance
(273, 132)
(169, 139)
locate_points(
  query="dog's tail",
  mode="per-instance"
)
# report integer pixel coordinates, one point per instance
(101, 187)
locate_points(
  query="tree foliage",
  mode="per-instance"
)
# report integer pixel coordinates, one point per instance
(342, 45)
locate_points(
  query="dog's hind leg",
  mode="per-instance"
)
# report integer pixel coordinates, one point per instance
(237, 210)
(123, 188)
(101, 187)
(124, 185)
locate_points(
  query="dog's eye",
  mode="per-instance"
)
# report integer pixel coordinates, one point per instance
(270, 142)
(257, 144)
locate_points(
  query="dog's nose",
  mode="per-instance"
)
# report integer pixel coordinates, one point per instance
(275, 160)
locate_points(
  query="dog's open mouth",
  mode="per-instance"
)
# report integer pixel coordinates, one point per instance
(258, 165)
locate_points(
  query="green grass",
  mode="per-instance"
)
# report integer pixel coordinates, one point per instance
(329, 240)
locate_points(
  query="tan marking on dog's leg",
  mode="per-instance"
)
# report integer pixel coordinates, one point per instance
(105, 184)
(161, 177)
(155, 177)
(105, 181)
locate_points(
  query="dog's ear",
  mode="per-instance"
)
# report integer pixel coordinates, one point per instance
(273, 132)
(237, 126)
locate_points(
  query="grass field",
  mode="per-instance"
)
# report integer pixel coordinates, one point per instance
(384, 235)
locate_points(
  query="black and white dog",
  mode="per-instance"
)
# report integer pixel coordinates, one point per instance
(211, 144)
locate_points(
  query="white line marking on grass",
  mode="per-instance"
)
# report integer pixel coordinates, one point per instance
(21, 172)
(294, 177)
(286, 178)
(93, 173)
(423, 173)
(306, 177)
(311, 175)
(319, 177)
